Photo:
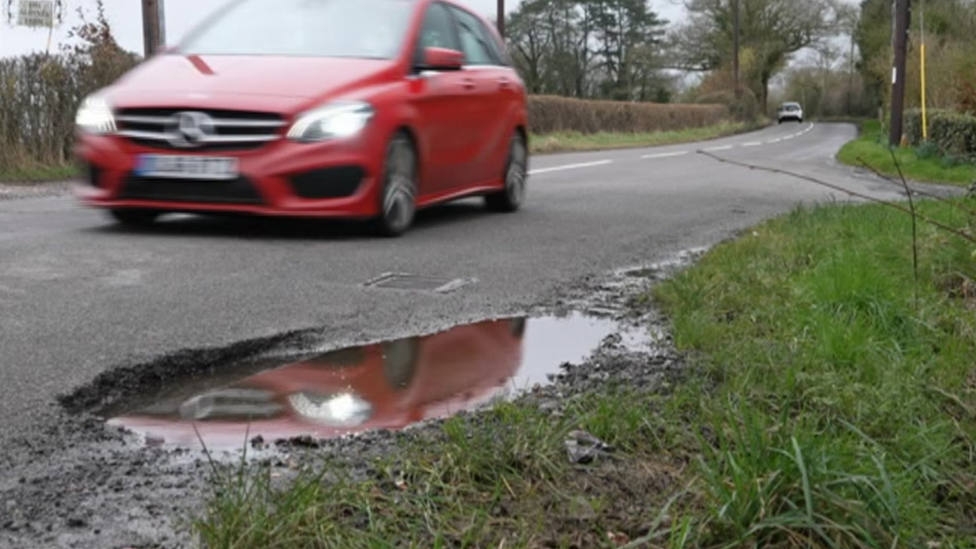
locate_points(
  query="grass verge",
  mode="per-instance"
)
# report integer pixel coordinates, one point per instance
(920, 164)
(37, 174)
(573, 141)
(829, 409)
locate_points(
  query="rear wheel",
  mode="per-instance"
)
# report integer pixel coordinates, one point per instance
(510, 198)
(134, 218)
(398, 192)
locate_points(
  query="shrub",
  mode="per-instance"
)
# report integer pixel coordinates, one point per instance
(951, 132)
(550, 114)
(927, 150)
(954, 133)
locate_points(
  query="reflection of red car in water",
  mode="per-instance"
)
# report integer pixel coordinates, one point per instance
(381, 386)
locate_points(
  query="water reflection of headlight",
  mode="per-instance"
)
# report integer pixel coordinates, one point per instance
(345, 409)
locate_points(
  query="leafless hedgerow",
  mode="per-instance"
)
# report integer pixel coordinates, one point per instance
(39, 93)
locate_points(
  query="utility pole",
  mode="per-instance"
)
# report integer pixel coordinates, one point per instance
(900, 40)
(153, 25)
(735, 47)
(501, 18)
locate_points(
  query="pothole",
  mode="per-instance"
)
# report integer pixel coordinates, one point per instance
(388, 385)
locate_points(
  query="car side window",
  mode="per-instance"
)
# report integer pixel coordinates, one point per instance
(497, 48)
(437, 31)
(473, 44)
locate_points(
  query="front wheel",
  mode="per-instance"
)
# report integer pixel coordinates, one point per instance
(398, 189)
(134, 218)
(510, 198)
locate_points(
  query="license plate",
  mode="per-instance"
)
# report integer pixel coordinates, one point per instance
(187, 167)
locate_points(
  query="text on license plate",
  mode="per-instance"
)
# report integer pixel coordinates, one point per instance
(187, 167)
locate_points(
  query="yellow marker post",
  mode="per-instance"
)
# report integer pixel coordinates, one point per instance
(925, 122)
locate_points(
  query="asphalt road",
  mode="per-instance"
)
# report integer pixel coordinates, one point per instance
(79, 296)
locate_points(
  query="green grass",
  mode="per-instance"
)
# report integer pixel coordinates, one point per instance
(827, 410)
(573, 141)
(37, 174)
(921, 164)
(499, 481)
(841, 415)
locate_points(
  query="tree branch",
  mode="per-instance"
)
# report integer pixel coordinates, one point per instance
(899, 207)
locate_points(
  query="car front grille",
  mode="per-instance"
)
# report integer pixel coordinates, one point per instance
(234, 191)
(232, 130)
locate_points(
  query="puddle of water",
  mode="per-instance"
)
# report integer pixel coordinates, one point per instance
(388, 385)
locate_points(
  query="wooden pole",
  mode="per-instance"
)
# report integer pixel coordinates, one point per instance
(153, 26)
(900, 39)
(501, 18)
(735, 47)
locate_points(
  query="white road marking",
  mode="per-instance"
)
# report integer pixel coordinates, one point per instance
(791, 136)
(570, 167)
(665, 155)
(752, 144)
(721, 148)
(774, 140)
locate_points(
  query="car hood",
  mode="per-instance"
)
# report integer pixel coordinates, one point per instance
(278, 83)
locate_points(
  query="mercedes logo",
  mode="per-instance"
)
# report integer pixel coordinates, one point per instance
(190, 129)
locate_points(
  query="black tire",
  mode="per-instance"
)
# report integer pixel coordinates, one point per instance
(134, 218)
(398, 193)
(515, 176)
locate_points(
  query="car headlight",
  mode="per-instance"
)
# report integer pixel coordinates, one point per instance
(333, 121)
(95, 116)
(344, 409)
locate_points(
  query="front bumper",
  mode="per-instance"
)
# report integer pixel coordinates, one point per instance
(282, 178)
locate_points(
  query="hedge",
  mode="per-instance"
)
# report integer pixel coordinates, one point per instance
(550, 114)
(952, 132)
(39, 95)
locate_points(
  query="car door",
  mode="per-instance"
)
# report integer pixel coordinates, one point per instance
(508, 99)
(481, 70)
(445, 104)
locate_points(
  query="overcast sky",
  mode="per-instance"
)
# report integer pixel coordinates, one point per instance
(181, 15)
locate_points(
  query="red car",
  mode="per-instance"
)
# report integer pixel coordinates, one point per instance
(380, 386)
(362, 109)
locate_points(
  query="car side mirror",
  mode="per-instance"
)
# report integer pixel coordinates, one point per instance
(442, 59)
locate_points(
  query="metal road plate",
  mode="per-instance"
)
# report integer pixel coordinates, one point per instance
(404, 281)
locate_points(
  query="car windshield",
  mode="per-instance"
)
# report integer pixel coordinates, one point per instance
(320, 28)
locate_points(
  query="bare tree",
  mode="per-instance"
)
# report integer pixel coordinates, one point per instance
(770, 30)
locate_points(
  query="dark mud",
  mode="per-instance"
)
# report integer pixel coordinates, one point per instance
(81, 483)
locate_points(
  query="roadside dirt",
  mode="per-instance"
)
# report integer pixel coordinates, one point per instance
(82, 484)
(13, 191)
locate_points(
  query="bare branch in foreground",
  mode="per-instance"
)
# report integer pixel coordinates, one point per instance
(911, 204)
(916, 191)
(856, 194)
